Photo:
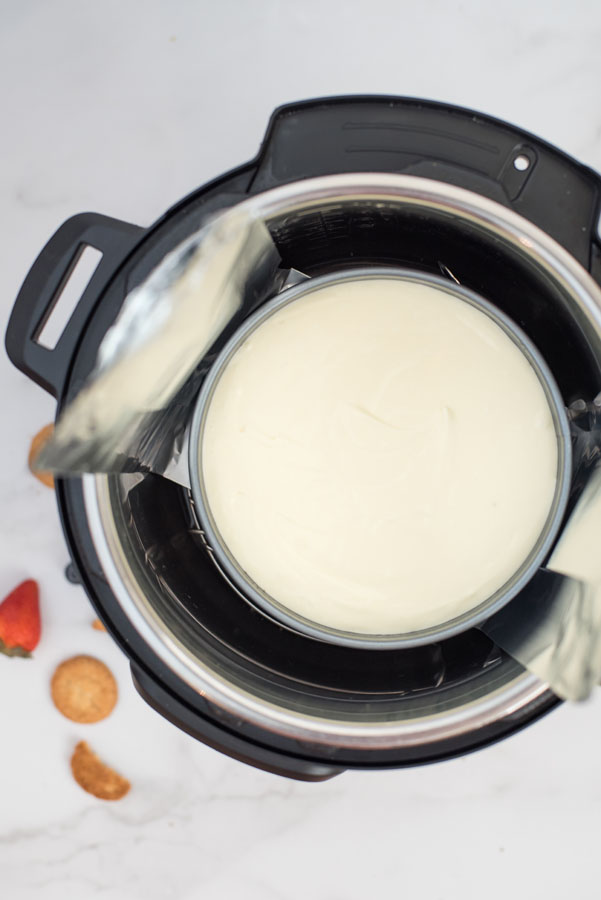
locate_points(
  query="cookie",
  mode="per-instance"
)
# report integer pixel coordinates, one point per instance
(97, 624)
(84, 689)
(37, 443)
(95, 777)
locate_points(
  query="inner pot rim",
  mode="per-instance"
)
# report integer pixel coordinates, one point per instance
(516, 694)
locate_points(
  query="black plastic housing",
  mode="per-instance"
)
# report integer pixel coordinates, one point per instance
(319, 137)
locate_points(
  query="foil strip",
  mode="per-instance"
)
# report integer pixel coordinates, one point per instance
(553, 627)
(132, 414)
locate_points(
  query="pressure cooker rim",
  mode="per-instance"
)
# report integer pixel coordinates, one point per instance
(515, 694)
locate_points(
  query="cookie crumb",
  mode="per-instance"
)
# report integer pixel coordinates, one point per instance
(37, 442)
(95, 777)
(84, 689)
(97, 624)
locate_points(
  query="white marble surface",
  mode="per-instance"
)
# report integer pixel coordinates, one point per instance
(122, 107)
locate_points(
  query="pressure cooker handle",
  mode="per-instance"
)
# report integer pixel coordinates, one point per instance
(44, 284)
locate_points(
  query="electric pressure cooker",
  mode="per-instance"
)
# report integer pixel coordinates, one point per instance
(341, 183)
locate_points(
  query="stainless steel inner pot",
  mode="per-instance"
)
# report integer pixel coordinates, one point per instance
(484, 610)
(239, 694)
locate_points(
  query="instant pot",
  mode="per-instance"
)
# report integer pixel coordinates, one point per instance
(342, 183)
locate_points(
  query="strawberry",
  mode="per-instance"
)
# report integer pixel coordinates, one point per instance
(20, 625)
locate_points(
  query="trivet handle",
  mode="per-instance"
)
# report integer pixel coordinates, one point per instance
(44, 284)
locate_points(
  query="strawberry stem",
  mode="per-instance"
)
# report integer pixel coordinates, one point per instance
(14, 651)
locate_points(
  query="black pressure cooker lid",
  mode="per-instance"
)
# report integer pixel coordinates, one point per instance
(308, 139)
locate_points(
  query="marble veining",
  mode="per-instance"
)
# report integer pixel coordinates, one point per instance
(123, 109)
